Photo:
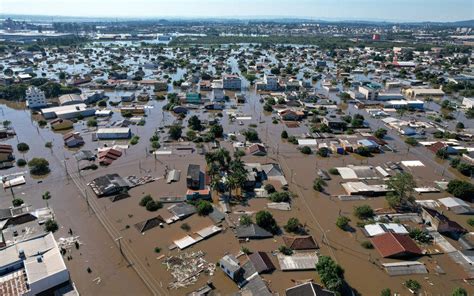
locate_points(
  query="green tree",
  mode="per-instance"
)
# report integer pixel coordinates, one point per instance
(195, 123)
(217, 130)
(413, 285)
(459, 292)
(22, 147)
(51, 225)
(153, 206)
(38, 166)
(144, 200)
(175, 132)
(331, 274)
(461, 189)
(342, 222)
(386, 292)
(46, 196)
(284, 134)
(402, 186)
(245, 220)
(204, 207)
(306, 150)
(442, 153)
(364, 212)
(17, 202)
(265, 220)
(92, 122)
(380, 133)
(318, 184)
(411, 141)
(293, 225)
(251, 135)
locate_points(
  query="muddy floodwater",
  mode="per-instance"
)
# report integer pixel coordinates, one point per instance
(105, 226)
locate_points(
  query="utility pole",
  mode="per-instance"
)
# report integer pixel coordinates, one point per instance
(119, 240)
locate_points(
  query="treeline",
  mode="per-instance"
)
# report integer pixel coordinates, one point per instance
(16, 92)
(321, 41)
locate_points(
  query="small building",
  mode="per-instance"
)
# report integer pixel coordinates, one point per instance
(61, 124)
(257, 150)
(393, 245)
(334, 123)
(232, 82)
(68, 112)
(70, 99)
(72, 140)
(107, 156)
(6, 153)
(193, 176)
(114, 133)
(231, 266)
(252, 231)
(262, 262)
(35, 98)
(468, 102)
(109, 184)
(371, 145)
(441, 223)
(193, 98)
(198, 194)
(300, 242)
(308, 289)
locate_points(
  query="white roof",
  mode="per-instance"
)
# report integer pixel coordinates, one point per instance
(113, 130)
(307, 142)
(381, 228)
(208, 231)
(298, 261)
(185, 242)
(51, 263)
(451, 202)
(30, 247)
(65, 109)
(412, 163)
(347, 173)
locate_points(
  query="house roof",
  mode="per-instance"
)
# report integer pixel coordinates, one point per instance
(393, 245)
(252, 231)
(454, 226)
(308, 289)
(262, 262)
(300, 242)
(256, 148)
(436, 146)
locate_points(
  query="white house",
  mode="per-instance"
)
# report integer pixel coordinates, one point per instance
(35, 98)
(468, 102)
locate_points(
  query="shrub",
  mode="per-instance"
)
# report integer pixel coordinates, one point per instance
(51, 225)
(318, 184)
(380, 133)
(363, 212)
(38, 166)
(342, 222)
(284, 135)
(48, 145)
(420, 236)
(153, 206)
(245, 250)
(157, 249)
(92, 122)
(279, 196)
(145, 199)
(386, 292)
(17, 202)
(334, 171)
(411, 141)
(185, 227)
(134, 140)
(293, 225)
(459, 292)
(470, 221)
(20, 162)
(306, 150)
(285, 250)
(367, 245)
(323, 152)
(245, 220)
(204, 207)
(413, 285)
(22, 147)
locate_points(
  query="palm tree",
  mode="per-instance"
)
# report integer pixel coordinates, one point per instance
(231, 183)
(46, 196)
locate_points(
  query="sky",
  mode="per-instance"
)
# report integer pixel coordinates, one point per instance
(391, 10)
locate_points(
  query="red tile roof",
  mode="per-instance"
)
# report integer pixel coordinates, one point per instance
(300, 242)
(395, 245)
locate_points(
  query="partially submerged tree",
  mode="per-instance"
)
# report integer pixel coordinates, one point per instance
(402, 186)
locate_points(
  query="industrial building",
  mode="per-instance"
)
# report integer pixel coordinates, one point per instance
(114, 133)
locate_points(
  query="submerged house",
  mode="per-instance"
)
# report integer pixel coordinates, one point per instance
(441, 223)
(193, 176)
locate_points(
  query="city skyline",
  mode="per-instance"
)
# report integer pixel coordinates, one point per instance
(396, 10)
